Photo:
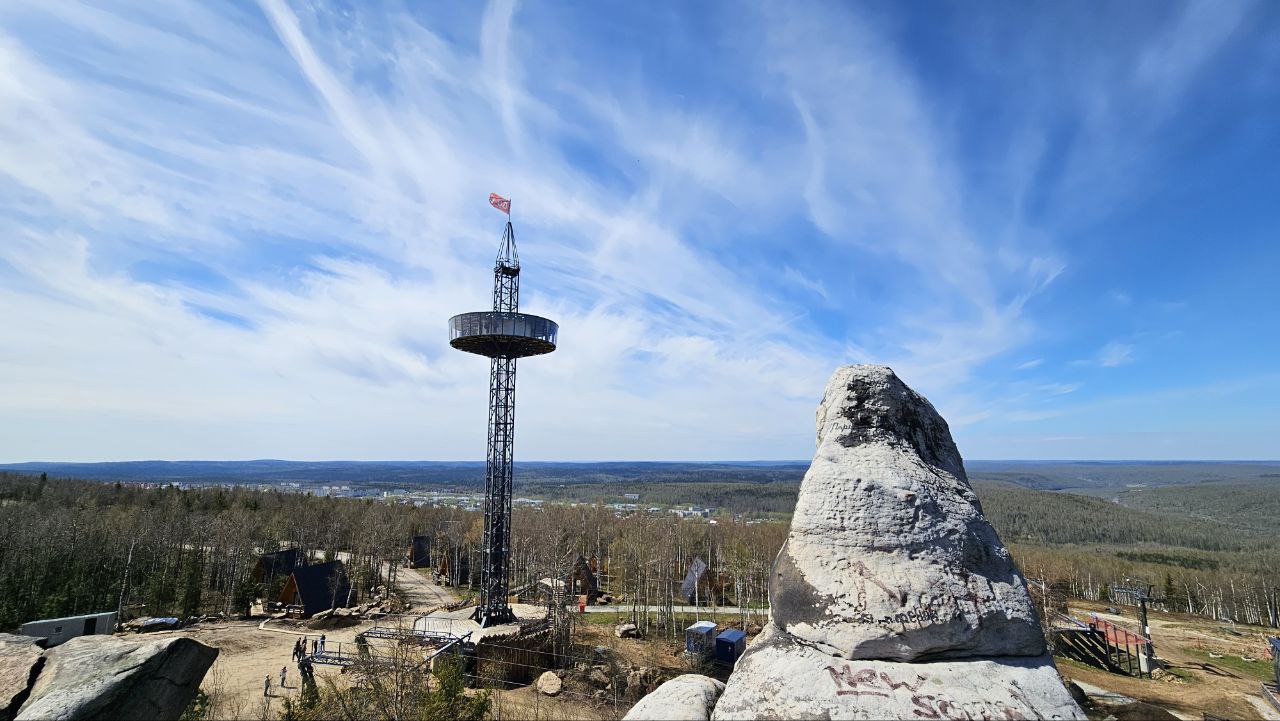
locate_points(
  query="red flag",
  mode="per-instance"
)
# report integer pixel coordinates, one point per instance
(500, 203)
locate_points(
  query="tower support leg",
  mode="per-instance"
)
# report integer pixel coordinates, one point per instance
(493, 608)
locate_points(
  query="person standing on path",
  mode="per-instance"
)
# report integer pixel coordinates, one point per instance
(322, 643)
(266, 686)
(284, 670)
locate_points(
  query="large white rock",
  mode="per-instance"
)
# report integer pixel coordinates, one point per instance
(889, 556)
(105, 677)
(892, 596)
(20, 662)
(549, 684)
(684, 698)
(781, 678)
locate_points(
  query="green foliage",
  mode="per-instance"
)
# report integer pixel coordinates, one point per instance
(66, 545)
(1250, 507)
(449, 699)
(198, 709)
(1181, 560)
(192, 586)
(1025, 515)
(754, 499)
(393, 691)
(1257, 669)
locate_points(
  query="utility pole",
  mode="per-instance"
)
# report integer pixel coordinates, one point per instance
(1142, 591)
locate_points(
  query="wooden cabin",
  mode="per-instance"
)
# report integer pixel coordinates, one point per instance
(318, 587)
(279, 563)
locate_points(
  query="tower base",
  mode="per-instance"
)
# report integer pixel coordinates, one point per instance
(492, 617)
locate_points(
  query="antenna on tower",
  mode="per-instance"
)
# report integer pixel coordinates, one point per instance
(507, 256)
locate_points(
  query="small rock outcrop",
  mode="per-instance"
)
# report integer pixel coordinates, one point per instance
(549, 684)
(684, 698)
(892, 596)
(105, 677)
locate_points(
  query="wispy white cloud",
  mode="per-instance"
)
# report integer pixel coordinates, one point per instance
(1115, 354)
(267, 213)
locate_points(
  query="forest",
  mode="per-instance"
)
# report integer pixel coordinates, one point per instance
(74, 546)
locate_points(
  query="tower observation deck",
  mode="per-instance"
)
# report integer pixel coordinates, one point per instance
(503, 335)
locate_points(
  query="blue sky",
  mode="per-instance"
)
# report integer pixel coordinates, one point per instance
(237, 230)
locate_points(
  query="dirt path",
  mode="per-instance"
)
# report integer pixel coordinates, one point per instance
(247, 654)
(249, 651)
(416, 587)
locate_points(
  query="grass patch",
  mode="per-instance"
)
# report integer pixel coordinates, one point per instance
(1072, 663)
(1259, 670)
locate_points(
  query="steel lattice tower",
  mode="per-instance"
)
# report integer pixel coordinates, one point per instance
(503, 335)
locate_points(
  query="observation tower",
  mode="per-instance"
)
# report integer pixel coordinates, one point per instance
(503, 335)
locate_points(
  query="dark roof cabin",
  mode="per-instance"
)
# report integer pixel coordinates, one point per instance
(280, 563)
(701, 587)
(581, 581)
(317, 588)
(420, 552)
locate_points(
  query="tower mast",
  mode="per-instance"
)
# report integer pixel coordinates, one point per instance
(503, 335)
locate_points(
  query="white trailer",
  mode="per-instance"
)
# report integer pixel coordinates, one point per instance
(59, 630)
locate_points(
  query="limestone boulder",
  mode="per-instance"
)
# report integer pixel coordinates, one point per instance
(780, 677)
(889, 556)
(549, 684)
(684, 698)
(892, 596)
(20, 663)
(105, 677)
(626, 630)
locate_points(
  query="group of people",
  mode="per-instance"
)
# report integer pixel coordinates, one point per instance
(266, 684)
(300, 648)
(303, 659)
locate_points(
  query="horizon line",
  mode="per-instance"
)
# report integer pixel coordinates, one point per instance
(10, 464)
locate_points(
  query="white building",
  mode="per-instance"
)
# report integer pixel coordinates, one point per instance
(60, 630)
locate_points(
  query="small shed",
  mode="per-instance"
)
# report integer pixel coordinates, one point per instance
(730, 645)
(699, 639)
(60, 630)
(317, 587)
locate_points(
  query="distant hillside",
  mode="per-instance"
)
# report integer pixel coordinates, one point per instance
(1045, 517)
(416, 473)
(264, 471)
(1111, 477)
(1252, 505)
(1094, 478)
